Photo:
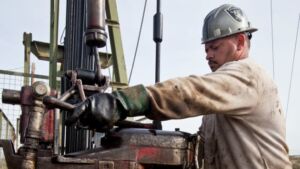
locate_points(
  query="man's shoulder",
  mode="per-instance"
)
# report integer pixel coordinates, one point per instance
(247, 65)
(245, 68)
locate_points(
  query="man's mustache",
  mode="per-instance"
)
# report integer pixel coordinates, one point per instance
(212, 62)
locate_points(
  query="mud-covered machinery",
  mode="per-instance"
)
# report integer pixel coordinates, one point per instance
(128, 145)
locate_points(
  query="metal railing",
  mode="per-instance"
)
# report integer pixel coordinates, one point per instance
(14, 81)
(7, 131)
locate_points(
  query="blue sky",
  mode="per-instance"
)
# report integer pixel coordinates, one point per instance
(182, 52)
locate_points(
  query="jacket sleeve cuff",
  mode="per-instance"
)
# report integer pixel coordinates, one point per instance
(135, 100)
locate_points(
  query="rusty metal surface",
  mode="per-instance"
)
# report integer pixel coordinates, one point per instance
(157, 138)
(47, 134)
(95, 34)
(26, 101)
(54, 102)
(132, 148)
(11, 96)
(122, 149)
(143, 146)
(34, 128)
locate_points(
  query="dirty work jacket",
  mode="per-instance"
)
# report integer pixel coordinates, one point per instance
(243, 125)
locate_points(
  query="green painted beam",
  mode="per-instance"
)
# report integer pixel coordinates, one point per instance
(27, 38)
(42, 50)
(119, 66)
(53, 50)
(117, 85)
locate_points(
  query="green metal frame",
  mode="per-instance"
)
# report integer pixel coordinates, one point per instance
(45, 51)
(54, 53)
(25, 75)
(27, 38)
(41, 51)
(119, 66)
(53, 50)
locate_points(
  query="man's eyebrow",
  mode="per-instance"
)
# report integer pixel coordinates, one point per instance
(218, 43)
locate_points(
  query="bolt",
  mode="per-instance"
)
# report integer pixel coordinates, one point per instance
(40, 89)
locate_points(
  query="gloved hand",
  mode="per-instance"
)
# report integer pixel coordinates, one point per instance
(102, 110)
(99, 111)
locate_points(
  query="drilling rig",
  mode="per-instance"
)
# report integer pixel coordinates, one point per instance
(48, 143)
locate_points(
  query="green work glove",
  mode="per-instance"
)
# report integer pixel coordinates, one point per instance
(102, 110)
(134, 100)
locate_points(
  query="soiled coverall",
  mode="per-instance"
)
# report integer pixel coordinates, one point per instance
(243, 125)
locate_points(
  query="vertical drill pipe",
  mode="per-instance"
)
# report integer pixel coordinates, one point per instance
(157, 63)
(76, 57)
(157, 37)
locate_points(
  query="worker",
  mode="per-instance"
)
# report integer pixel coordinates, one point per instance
(243, 125)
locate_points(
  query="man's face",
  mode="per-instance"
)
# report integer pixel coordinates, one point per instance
(220, 51)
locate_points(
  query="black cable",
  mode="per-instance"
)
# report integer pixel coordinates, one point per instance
(291, 76)
(138, 41)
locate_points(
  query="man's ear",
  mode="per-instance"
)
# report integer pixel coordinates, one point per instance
(240, 41)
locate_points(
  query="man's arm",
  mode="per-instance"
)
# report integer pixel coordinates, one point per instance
(231, 90)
